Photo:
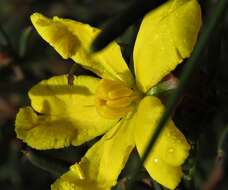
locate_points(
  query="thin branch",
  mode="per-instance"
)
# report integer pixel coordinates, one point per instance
(219, 169)
(121, 22)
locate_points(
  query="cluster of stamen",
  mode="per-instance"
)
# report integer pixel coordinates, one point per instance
(114, 99)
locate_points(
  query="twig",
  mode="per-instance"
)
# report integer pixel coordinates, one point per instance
(121, 22)
(219, 169)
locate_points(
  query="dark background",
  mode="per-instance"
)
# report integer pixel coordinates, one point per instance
(25, 59)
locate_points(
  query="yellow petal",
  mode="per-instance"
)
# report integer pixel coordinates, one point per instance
(171, 149)
(100, 167)
(44, 132)
(72, 39)
(167, 35)
(165, 174)
(66, 114)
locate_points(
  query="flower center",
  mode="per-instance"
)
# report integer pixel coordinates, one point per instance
(114, 99)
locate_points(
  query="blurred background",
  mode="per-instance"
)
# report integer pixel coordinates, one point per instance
(25, 59)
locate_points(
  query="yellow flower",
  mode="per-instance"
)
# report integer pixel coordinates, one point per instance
(62, 115)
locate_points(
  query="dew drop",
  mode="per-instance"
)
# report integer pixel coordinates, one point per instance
(170, 150)
(156, 160)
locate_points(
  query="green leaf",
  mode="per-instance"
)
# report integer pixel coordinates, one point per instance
(23, 44)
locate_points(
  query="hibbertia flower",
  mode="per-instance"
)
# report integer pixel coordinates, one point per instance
(114, 103)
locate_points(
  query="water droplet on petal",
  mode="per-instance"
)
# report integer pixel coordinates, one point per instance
(170, 150)
(156, 160)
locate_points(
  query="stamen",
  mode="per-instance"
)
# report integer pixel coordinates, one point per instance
(120, 92)
(114, 99)
(120, 103)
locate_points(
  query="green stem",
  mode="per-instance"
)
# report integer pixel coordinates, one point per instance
(136, 10)
(24, 41)
(8, 44)
(5, 36)
(219, 171)
(189, 66)
(223, 141)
